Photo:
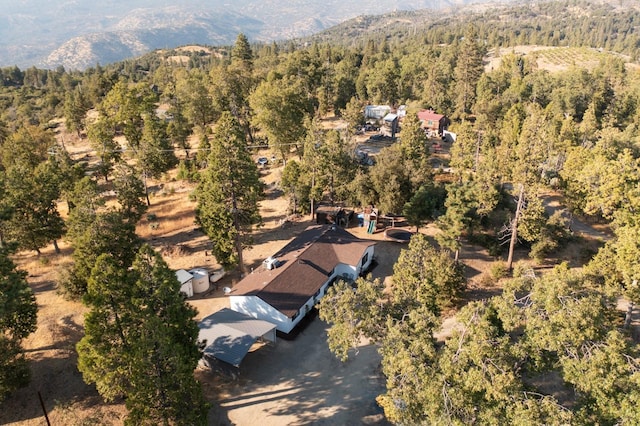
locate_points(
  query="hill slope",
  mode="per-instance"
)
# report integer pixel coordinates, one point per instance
(79, 33)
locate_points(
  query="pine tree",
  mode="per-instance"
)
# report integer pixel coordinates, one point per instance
(467, 72)
(241, 51)
(33, 193)
(141, 341)
(18, 310)
(228, 193)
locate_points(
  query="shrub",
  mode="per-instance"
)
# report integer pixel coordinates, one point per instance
(499, 270)
(520, 269)
(487, 241)
(70, 286)
(542, 248)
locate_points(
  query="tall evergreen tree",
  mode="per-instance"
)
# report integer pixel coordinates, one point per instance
(467, 72)
(101, 134)
(228, 193)
(33, 193)
(94, 234)
(241, 51)
(18, 310)
(141, 341)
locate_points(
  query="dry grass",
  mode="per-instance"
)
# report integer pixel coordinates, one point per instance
(549, 58)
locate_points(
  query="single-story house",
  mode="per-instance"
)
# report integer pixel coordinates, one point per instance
(228, 335)
(433, 122)
(293, 280)
(186, 282)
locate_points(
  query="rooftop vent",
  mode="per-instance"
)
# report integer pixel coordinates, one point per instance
(271, 263)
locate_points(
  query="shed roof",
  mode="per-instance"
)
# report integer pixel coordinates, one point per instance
(230, 334)
(428, 114)
(183, 276)
(306, 264)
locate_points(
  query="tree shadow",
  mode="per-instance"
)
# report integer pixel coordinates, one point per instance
(54, 374)
(56, 377)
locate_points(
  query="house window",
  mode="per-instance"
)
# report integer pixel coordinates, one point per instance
(365, 258)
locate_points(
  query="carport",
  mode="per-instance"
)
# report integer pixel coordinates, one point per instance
(229, 335)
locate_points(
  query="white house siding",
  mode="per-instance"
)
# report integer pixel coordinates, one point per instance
(258, 308)
(369, 255)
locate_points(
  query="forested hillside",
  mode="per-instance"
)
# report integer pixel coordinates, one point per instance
(551, 348)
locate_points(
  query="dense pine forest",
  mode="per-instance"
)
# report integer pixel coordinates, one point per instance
(550, 349)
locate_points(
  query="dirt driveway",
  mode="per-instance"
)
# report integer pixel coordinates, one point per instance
(299, 381)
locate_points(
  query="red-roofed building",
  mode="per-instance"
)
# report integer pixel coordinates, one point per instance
(292, 281)
(433, 122)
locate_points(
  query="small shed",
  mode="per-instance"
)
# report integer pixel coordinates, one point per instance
(186, 282)
(229, 335)
(200, 280)
(390, 122)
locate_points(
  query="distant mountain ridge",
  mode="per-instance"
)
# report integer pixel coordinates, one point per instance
(78, 34)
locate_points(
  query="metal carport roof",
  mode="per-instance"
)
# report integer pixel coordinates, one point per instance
(229, 334)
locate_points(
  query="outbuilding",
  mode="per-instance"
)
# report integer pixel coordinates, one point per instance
(186, 282)
(390, 124)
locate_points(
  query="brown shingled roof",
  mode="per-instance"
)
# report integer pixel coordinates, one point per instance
(306, 263)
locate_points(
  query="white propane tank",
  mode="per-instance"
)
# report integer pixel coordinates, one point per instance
(200, 280)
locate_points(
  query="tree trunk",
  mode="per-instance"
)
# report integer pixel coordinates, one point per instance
(55, 247)
(236, 225)
(146, 188)
(313, 184)
(628, 315)
(514, 229)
